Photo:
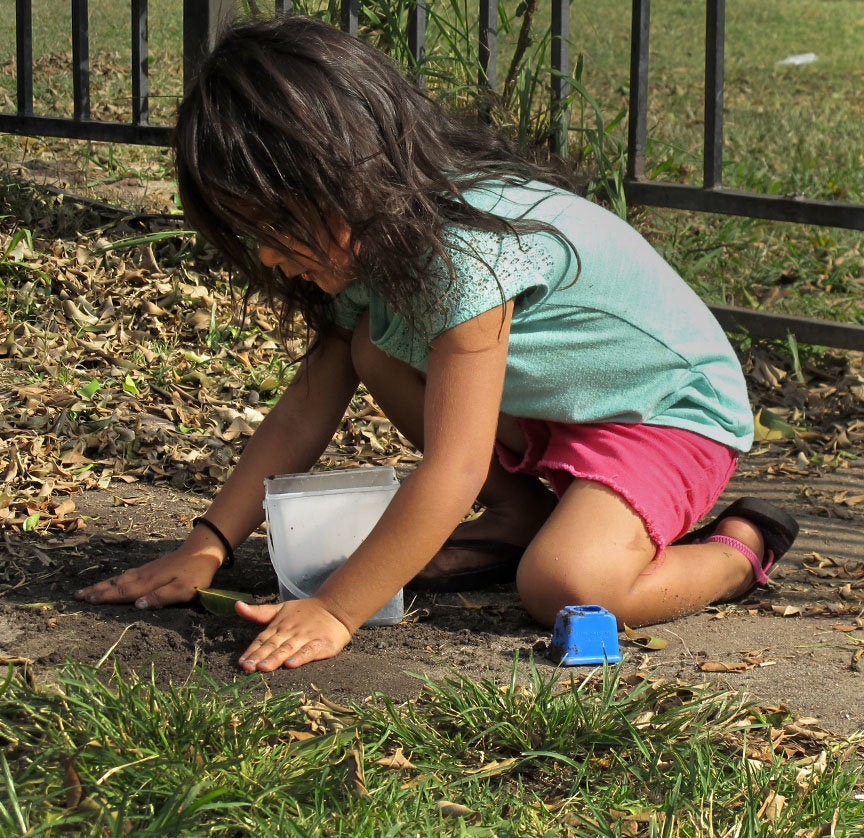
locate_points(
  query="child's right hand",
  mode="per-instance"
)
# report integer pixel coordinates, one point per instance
(172, 578)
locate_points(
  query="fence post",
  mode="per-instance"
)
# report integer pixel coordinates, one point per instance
(560, 54)
(202, 22)
(81, 59)
(417, 40)
(24, 56)
(140, 56)
(715, 42)
(637, 129)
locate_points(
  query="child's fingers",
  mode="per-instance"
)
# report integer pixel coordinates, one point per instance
(291, 653)
(170, 594)
(168, 580)
(132, 586)
(268, 653)
(298, 632)
(314, 651)
(257, 613)
(126, 587)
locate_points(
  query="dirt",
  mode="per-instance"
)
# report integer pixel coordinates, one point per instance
(796, 645)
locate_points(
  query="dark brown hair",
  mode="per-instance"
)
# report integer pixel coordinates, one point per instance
(291, 123)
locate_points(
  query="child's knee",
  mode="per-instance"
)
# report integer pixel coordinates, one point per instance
(547, 584)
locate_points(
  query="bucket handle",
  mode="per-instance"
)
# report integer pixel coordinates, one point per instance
(290, 586)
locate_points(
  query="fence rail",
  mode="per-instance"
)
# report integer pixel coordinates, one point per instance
(202, 19)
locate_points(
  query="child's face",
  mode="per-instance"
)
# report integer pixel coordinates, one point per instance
(296, 259)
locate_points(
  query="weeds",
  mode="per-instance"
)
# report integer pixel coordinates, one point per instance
(109, 753)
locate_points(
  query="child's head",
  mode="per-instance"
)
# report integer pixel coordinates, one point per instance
(293, 127)
(285, 129)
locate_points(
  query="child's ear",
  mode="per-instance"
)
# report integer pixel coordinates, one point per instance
(340, 231)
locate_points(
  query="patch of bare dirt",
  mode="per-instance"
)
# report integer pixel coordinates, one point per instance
(797, 645)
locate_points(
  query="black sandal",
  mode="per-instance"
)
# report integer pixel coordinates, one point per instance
(501, 572)
(779, 530)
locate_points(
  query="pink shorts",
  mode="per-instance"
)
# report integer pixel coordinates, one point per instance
(670, 477)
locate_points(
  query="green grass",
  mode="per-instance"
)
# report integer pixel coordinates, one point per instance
(110, 58)
(104, 753)
(789, 129)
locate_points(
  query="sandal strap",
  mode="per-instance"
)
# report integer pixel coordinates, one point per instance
(759, 567)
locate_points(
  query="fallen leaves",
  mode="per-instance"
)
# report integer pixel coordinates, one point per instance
(751, 659)
(40, 513)
(786, 610)
(449, 809)
(772, 807)
(396, 760)
(645, 641)
(130, 363)
(769, 426)
(827, 567)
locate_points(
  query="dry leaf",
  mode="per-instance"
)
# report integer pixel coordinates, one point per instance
(723, 666)
(498, 766)
(72, 788)
(772, 807)
(199, 320)
(809, 774)
(786, 610)
(449, 809)
(15, 660)
(396, 760)
(358, 777)
(332, 705)
(322, 720)
(646, 641)
(141, 499)
(64, 508)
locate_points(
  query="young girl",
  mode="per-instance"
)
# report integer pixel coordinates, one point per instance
(522, 337)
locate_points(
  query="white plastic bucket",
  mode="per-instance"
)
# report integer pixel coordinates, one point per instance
(315, 521)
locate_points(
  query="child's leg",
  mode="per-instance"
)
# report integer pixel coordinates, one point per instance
(595, 550)
(516, 505)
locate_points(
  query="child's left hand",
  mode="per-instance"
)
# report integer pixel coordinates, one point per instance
(298, 631)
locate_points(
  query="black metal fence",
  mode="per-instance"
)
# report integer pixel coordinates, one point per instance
(711, 196)
(201, 21)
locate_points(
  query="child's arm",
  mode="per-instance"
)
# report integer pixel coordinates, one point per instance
(290, 439)
(462, 403)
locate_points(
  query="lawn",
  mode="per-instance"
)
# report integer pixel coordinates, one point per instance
(584, 755)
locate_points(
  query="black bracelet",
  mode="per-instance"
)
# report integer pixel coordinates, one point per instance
(228, 561)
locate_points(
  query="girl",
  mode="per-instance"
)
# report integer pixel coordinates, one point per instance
(519, 335)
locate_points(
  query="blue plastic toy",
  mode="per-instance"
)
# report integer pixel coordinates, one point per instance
(584, 634)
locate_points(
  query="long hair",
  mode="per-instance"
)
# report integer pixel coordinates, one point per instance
(291, 123)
